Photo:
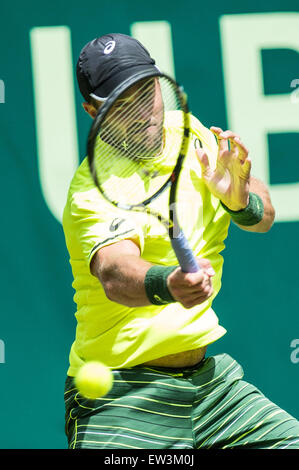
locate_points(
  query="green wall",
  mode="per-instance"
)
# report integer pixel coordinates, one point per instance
(239, 64)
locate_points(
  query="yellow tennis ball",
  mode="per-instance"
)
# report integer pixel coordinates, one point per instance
(94, 380)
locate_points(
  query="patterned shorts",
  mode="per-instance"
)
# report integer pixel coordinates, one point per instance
(205, 406)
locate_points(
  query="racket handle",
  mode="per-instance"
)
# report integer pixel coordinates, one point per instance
(184, 254)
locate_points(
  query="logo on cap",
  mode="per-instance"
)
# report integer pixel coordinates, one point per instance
(109, 47)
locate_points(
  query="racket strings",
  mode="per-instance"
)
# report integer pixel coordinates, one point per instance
(170, 100)
(125, 120)
(118, 112)
(112, 131)
(128, 113)
(131, 142)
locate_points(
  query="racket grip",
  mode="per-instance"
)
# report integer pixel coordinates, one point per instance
(184, 254)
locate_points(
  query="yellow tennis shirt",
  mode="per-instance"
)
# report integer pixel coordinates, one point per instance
(122, 336)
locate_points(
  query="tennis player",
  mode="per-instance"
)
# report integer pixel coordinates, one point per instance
(168, 392)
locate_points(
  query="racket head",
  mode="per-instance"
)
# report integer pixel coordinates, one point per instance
(130, 159)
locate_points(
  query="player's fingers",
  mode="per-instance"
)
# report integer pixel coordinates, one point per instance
(234, 140)
(206, 265)
(193, 280)
(187, 294)
(204, 161)
(239, 148)
(238, 152)
(190, 288)
(199, 289)
(216, 130)
(179, 280)
(246, 168)
(198, 298)
(228, 134)
(227, 138)
(193, 288)
(223, 145)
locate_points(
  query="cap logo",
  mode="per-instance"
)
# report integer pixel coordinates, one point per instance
(109, 47)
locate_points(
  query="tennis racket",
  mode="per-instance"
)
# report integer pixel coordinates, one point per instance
(132, 158)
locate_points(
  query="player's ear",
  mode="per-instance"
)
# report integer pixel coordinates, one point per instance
(90, 109)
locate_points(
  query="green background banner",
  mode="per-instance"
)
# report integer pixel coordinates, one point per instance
(239, 64)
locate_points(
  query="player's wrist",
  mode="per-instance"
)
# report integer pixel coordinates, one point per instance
(155, 284)
(236, 206)
(252, 214)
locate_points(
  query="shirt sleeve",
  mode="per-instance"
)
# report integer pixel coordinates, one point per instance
(96, 224)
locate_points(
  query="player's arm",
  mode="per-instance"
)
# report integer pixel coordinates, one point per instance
(122, 272)
(246, 198)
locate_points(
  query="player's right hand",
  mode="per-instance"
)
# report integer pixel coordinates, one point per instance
(192, 289)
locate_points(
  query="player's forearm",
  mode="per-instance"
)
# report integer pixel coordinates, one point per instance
(123, 279)
(259, 188)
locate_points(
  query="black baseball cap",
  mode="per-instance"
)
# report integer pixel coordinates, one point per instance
(107, 61)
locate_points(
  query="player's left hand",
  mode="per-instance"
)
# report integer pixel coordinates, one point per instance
(229, 181)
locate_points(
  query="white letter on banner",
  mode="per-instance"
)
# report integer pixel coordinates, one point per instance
(295, 353)
(56, 128)
(250, 113)
(2, 351)
(2, 92)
